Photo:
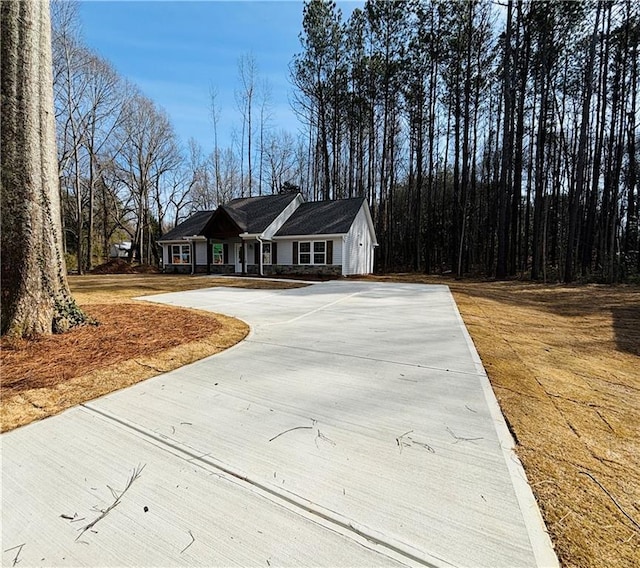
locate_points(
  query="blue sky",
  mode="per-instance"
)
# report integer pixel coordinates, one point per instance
(175, 50)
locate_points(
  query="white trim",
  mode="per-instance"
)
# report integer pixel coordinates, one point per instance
(171, 255)
(312, 252)
(316, 237)
(172, 242)
(370, 223)
(186, 238)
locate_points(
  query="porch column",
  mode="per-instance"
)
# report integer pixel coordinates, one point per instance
(209, 255)
(244, 257)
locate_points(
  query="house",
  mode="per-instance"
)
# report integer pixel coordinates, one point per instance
(274, 235)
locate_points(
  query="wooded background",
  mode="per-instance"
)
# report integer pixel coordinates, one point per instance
(490, 138)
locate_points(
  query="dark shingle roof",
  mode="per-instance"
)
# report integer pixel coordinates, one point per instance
(192, 226)
(255, 214)
(322, 218)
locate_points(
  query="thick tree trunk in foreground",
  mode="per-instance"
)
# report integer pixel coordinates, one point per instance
(35, 294)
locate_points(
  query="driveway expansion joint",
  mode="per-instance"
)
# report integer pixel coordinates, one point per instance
(291, 501)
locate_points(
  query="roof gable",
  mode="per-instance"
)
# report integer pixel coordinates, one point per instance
(194, 225)
(255, 214)
(322, 218)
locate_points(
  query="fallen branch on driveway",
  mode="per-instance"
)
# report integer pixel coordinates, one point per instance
(135, 474)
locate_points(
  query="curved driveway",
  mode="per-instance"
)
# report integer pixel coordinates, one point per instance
(355, 426)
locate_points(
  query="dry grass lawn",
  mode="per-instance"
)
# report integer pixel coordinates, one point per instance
(564, 364)
(134, 341)
(563, 361)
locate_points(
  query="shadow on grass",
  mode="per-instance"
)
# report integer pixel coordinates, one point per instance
(626, 324)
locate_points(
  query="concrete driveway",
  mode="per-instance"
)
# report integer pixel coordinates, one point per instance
(354, 427)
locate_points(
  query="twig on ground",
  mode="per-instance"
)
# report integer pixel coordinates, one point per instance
(73, 519)
(404, 441)
(460, 438)
(19, 547)
(150, 367)
(400, 441)
(423, 445)
(321, 436)
(188, 545)
(135, 474)
(291, 430)
(635, 523)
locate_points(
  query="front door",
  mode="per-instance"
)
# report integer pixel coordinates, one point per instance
(238, 250)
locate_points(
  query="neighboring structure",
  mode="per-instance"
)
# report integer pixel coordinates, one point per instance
(274, 234)
(120, 250)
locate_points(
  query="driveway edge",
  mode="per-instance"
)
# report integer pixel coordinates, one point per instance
(541, 543)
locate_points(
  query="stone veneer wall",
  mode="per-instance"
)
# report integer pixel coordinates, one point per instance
(200, 269)
(268, 269)
(297, 269)
(222, 269)
(177, 269)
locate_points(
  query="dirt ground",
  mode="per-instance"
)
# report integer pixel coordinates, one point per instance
(564, 364)
(563, 361)
(133, 342)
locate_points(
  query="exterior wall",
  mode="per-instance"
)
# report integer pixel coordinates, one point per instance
(223, 269)
(285, 248)
(285, 252)
(200, 258)
(358, 247)
(337, 250)
(201, 253)
(165, 252)
(306, 269)
(297, 269)
(166, 259)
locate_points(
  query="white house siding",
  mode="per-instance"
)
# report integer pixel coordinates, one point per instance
(358, 247)
(337, 250)
(201, 253)
(285, 248)
(280, 219)
(285, 252)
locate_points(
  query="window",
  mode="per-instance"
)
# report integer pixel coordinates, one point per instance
(319, 249)
(312, 252)
(218, 253)
(266, 253)
(305, 253)
(180, 254)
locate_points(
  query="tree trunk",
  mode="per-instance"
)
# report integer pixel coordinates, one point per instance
(35, 294)
(504, 196)
(575, 196)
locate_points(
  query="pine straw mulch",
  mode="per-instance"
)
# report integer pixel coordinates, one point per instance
(564, 364)
(133, 342)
